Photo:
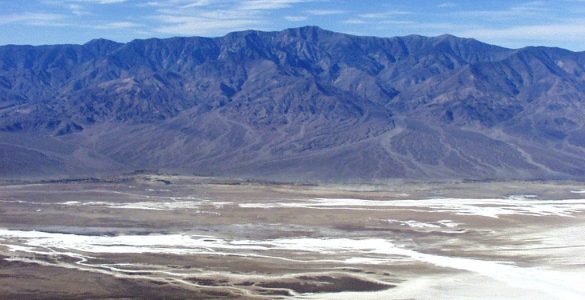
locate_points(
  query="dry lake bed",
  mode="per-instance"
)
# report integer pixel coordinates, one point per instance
(178, 237)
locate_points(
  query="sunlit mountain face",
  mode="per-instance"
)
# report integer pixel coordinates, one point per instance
(303, 103)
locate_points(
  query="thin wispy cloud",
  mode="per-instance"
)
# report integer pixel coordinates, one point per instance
(200, 3)
(77, 9)
(217, 17)
(572, 30)
(98, 1)
(379, 18)
(83, 2)
(383, 15)
(326, 12)
(524, 10)
(354, 21)
(503, 22)
(205, 23)
(267, 4)
(295, 18)
(110, 1)
(446, 5)
(198, 26)
(117, 25)
(81, 7)
(31, 18)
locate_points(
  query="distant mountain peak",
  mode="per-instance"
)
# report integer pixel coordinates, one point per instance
(301, 103)
(99, 42)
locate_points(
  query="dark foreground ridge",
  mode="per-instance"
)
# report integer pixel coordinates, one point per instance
(303, 103)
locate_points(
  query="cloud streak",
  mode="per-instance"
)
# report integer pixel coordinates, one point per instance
(117, 25)
(267, 4)
(326, 12)
(526, 10)
(506, 23)
(98, 1)
(205, 17)
(559, 32)
(31, 18)
(204, 23)
(295, 18)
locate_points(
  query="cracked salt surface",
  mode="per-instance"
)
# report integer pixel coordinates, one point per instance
(414, 224)
(492, 208)
(151, 205)
(373, 250)
(425, 225)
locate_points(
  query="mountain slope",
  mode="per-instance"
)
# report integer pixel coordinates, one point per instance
(299, 104)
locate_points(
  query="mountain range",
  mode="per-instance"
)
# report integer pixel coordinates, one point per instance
(298, 104)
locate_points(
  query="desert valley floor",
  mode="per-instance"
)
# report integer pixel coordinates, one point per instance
(173, 237)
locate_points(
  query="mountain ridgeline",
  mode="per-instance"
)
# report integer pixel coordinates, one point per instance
(299, 104)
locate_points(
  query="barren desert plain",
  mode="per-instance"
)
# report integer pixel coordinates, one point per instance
(175, 237)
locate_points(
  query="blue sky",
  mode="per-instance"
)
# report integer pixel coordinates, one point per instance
(508, 23)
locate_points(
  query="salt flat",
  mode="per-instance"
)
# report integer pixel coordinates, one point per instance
(187, 237)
